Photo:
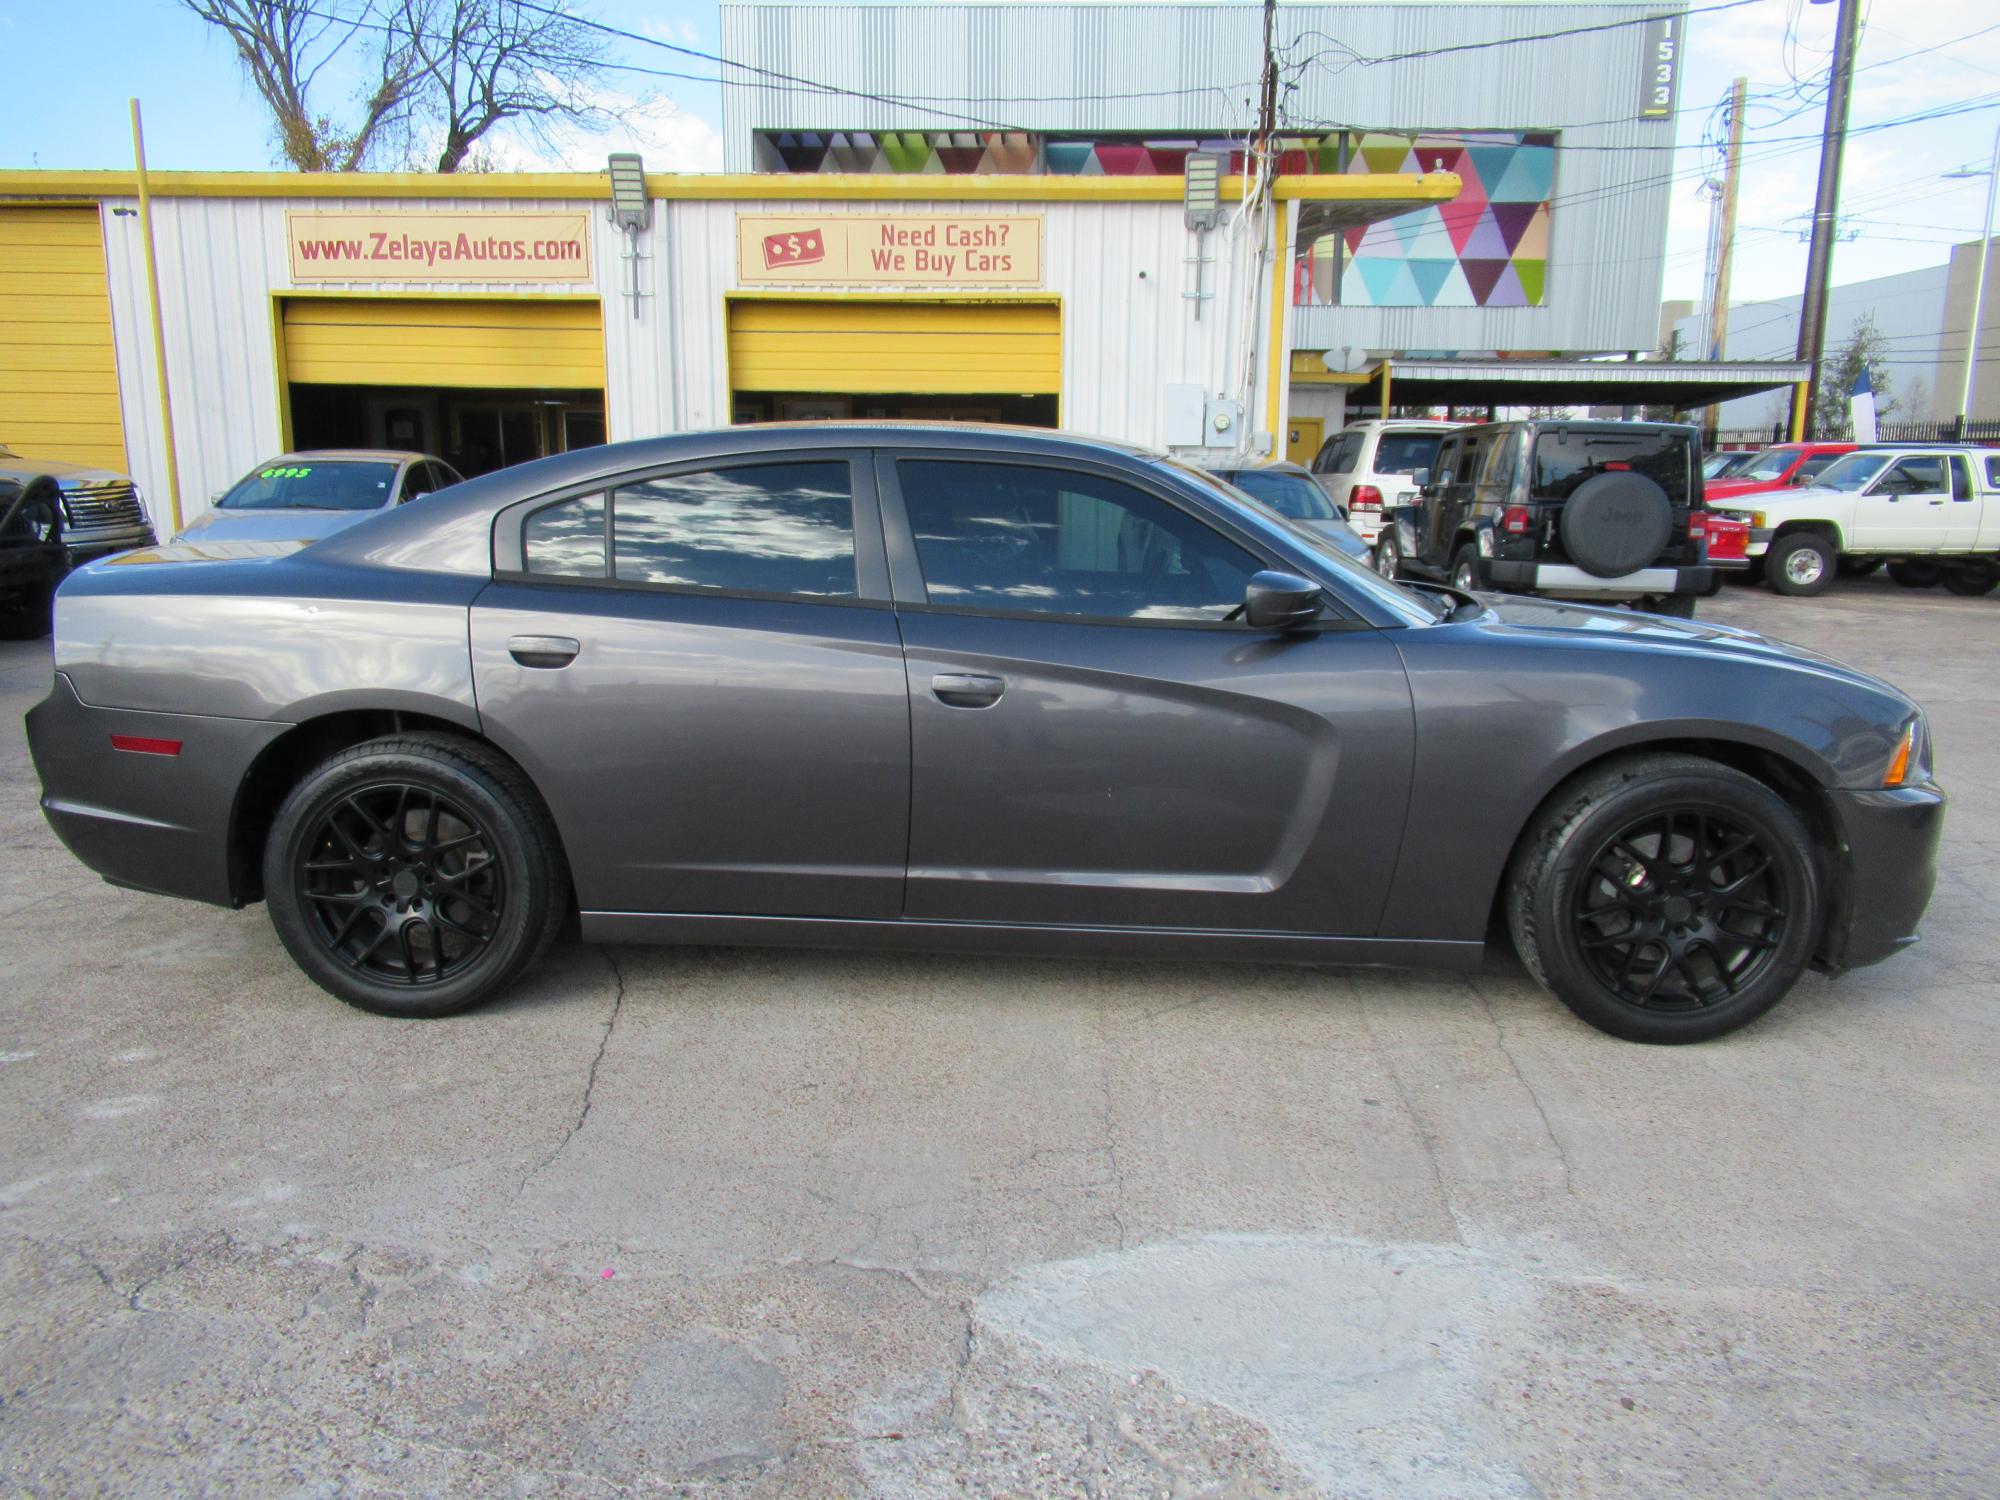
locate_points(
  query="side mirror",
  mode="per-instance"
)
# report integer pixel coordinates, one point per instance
(1421, 478)
(1280, 601)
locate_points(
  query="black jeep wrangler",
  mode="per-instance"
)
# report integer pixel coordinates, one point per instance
(1605, 511)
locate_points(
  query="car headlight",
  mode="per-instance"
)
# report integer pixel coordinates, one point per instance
(1910, 765)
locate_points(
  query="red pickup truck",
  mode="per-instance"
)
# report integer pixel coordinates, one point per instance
(1776, 468)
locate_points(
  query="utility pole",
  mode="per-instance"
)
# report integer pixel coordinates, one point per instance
(1978, 291)
(1719, 303)
(1826, 203)
(1267, 104)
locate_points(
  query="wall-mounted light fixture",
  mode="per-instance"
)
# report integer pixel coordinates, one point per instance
(631, 210)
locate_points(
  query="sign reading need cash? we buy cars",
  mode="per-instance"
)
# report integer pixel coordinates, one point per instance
(889, 250)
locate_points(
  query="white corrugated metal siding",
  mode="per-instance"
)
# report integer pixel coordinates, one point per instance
(1049, 68)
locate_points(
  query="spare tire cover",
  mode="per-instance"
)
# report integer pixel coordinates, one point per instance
(1616, 523)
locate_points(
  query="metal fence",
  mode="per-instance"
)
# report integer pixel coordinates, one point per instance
(1951, 430)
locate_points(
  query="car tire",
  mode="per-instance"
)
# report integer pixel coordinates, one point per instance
(366, 896)
(1972, 580)
(1465, 568)
(1388, 559)
(1916, 575)
(1665, 898)
(1801, 564)
(1615, 523)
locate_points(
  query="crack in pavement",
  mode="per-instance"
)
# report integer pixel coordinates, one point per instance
(589, 1077)
(1500, 1040)
(1423, 1132)
(1110, 1147)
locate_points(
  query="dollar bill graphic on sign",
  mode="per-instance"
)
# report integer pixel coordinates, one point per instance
(801, 247)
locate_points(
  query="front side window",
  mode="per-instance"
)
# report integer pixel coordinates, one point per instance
(1914, 476)
(785, 528)
(1020, 537)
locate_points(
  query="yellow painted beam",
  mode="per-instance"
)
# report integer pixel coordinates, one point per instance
(1346, 187)
(1276, 358)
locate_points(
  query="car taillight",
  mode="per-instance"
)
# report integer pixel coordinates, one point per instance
(1697, 525)
(1517, 520)
(1364, 497)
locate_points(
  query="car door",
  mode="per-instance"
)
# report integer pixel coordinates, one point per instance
(1962, 515)
(1096, 742)
(1905, 507)
(699, 666)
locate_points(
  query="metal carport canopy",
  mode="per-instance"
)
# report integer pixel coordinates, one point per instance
(1566, 382)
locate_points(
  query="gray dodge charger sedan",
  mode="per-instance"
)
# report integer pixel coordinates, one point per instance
(961, 688)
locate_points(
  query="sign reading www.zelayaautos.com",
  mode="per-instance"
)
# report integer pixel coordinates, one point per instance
(442, 246)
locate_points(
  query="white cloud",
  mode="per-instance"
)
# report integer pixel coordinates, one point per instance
(670, 139)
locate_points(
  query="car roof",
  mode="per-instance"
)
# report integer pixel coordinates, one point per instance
(352, 455)
(1428, 424)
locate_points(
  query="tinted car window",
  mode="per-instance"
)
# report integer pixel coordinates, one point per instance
(1566, 457)
(1406, 452)
(567, 539)
(1961, 477)
(306, 484)
(1345, 450)
(758, 529)
(1291, 495)
(1018, 537)
(417, 481)
(1993, 471)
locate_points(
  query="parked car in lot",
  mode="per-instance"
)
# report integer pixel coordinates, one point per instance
(1289, 490)
(1775, 468)
(32, 558)
(962, 688)
(1610, 511)
(1721, 465)
(102, 512)
(1368, 468)
(1931, 512)
(301, 496)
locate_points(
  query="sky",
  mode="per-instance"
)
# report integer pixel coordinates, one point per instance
(73, 64)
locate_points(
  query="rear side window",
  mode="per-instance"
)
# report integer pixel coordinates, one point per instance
(1993, 471)
(1019, 537)
(566, 540)
(1406, 452)
(1566, 457)
(1342, 454)
(757, 529)
(1961, 477)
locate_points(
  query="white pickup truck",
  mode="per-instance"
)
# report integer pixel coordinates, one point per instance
(1932, 512)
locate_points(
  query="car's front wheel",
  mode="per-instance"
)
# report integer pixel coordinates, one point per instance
(415, 875)
(1801, 564)
(1665, 898)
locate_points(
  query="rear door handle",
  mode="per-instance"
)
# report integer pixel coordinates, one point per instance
(543, 650)
(967, 689)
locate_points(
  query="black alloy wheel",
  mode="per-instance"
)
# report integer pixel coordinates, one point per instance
(402, 884)
(1665, 897)
(415, 875)
(1683, 908)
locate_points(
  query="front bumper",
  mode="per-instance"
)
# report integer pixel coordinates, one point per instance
(1562, 578)
(1890, 840)
(155, 822)
(87, 545)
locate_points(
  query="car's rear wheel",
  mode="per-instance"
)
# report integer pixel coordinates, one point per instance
(1916, 575)
(1801, 564)
(1465, 568)
(415, 876)
(1388, 555)
(1665, 898)
(1972, 579)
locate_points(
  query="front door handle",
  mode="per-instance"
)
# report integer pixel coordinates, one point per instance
(543, 650)
(967, 689)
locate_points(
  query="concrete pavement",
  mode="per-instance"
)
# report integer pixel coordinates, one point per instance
(792, 1223)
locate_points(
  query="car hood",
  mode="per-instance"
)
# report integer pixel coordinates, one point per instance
(1724, 489)
(13, 466)
(1512, 614)
(271, 525)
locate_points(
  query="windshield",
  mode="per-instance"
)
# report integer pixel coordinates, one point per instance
(1852, 472)
(1404, 601)
(1292, 496)
(1770, 464)
(342, 484)
(1407, 452)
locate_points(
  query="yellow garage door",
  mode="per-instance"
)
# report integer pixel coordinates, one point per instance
(58, 379)
(870, 348)
(522, 344)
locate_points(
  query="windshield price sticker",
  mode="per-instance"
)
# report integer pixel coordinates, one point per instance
(286, 473)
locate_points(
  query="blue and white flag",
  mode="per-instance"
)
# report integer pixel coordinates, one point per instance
(1861, 405)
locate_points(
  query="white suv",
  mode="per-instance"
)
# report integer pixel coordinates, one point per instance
(1368, 467)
